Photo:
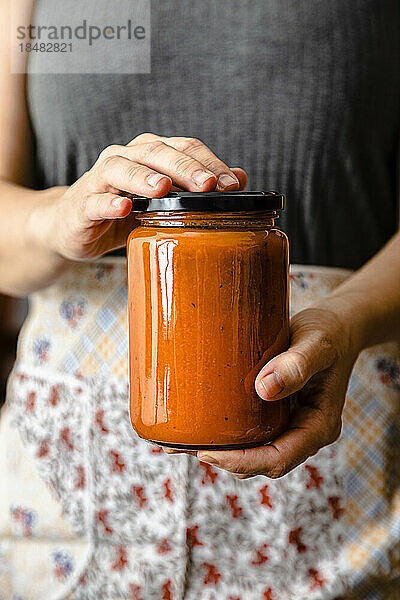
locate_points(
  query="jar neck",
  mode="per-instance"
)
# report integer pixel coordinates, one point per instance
(209, 220)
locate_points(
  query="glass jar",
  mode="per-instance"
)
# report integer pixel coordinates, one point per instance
(208, 307)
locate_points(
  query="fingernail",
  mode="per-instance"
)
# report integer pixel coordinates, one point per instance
(208, 459)
(118, 201)
(272, 384)
(200, 177)
(154, 179)
(225, 180)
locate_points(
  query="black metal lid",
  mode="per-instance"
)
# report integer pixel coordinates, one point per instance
(210, 202)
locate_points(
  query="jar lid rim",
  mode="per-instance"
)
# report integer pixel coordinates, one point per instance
(210, 202)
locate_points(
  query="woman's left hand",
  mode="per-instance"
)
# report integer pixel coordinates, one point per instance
(317, 365)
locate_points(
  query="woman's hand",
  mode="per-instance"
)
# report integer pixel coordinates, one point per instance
(90, 218)
(325, 342)
(317, 365)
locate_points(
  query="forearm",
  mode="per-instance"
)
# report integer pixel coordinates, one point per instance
(369, 301)
(25, 264)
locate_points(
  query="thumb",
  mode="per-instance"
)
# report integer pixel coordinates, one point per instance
(289, 372)
(106, 206)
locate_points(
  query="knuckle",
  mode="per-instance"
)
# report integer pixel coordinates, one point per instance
(152, 147)
(188, 143)
(109, 151)
(325, 343)
(299, 365)
(183, 164)
(134, 171)
(142, 137)
(106, 163)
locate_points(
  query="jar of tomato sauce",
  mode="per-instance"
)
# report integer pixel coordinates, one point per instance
(208, 307)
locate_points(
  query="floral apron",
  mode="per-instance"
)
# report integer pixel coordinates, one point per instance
(90, 511)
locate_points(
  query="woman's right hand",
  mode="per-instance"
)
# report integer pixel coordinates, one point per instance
(93, 216)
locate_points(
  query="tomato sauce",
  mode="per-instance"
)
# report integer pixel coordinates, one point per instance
(208, 307)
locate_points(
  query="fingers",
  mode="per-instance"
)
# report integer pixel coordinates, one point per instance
(240, 174)
(183, 170)
(173, 451)
(106, 206)
(227, 179)
(289, 372)
(310, 429)
(150, 166)
(114, 172)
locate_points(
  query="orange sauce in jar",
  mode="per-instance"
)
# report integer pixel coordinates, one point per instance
(208, 307)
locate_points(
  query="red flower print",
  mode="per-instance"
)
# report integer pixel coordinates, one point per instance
(22, 377)
(166, 590)
(117, 466)
(212, 574)
(80, 480)
(121, 559)
(265, 498)
(191, 537)
(134, 592)
(43, 449)
(315, 477)
(72, 310)
(30, 402)
(337, 510)
(234, 598)
(261, 556)
(102, 517)
(389, 372)
(63, 565)
(138, 493)
(54, 396)
(268, 594)
(25, 517)
(168, 491)
(164, 546)
(295, 538)
(41, 349)
(317, 580)
(99, 420)
(65, 437)
(210, 474)
(236, 510)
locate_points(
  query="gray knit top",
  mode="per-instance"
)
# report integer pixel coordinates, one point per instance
(303, 94)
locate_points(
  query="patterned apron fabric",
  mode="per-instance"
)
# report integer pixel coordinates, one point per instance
(90, 511)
